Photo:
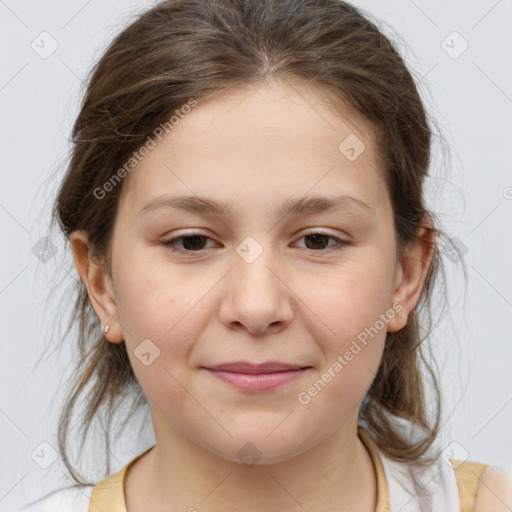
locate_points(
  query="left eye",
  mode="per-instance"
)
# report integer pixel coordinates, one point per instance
(196, 242)
(319, 239)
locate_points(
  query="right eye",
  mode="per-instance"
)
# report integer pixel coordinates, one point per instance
(193, 242)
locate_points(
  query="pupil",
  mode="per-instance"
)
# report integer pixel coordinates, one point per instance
(315, 238)
(195, 239)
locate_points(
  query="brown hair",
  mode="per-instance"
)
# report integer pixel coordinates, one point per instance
(183, 49)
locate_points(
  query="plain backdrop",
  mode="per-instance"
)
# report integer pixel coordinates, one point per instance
(460, 53)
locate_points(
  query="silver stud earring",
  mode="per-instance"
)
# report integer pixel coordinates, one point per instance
(107, 327)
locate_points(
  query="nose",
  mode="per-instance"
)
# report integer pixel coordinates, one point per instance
(256, 297)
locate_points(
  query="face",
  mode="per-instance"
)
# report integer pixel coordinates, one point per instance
(193, 287)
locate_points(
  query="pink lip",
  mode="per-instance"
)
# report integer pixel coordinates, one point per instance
(245, 367)
(256, 378)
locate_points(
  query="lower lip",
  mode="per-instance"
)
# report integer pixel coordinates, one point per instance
(258, 382)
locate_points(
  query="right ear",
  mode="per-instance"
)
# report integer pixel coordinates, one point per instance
(98, 282)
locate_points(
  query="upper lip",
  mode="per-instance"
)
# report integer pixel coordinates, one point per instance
(245, 367)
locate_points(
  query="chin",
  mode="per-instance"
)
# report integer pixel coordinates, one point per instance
(257, 451)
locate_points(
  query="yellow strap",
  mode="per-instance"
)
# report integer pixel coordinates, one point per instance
(382, 488)
(468, 475)
(108, 495)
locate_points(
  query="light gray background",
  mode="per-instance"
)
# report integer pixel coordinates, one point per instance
(471, 98)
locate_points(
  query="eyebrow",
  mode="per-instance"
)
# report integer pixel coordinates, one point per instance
(293, 205)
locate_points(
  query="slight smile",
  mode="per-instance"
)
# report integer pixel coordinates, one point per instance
(259, 377)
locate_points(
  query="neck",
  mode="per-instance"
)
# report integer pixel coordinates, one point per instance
(336, 474)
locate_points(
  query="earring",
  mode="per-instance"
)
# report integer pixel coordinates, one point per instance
(107, 327)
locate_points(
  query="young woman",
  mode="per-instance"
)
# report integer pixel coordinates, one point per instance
(245, 209)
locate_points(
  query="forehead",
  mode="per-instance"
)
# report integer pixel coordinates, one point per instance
(268, 143)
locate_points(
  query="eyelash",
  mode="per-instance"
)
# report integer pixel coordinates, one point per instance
(169, 244)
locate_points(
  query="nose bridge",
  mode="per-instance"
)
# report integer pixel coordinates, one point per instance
(252, 273)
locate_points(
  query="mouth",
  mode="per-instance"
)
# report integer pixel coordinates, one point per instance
(259, 377)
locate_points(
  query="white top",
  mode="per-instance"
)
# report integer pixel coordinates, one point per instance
(438, 489)
(67, 500)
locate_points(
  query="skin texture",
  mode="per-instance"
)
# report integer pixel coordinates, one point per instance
(494, 492)
(298, 302)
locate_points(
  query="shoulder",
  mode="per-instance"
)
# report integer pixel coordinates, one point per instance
(494, 491)
(64, 500)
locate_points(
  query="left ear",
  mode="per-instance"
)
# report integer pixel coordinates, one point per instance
(411, 273)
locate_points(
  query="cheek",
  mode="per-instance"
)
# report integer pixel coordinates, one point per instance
(154, 299)
(159, 316)
(351, 311)
(351, 298)
(351, 336)
(159, 337)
